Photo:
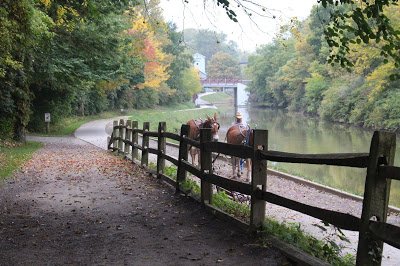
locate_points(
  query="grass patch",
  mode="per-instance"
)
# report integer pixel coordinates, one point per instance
(292, 233)
(239, 210)
(13, 155)
(67, 126)
(218, 97)
(173, 116)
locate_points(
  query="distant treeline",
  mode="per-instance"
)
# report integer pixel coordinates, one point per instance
(293, 73)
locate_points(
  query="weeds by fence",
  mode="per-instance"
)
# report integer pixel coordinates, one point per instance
(372, 227)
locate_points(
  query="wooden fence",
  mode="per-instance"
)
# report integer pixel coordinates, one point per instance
(372, 227)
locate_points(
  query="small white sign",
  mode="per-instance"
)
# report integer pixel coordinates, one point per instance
(46, 117)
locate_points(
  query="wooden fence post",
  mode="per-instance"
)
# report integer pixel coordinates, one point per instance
(135, 140)
(145, 144)
(258, 180)
(115, 135)
(376, 198)
(162, 127)
(206, 166)
(183, 156)
(128, 135)
(121, 135)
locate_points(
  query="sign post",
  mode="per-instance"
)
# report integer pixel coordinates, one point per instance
(47, 121)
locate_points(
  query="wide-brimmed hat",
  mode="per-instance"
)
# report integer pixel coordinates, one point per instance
(239, 115)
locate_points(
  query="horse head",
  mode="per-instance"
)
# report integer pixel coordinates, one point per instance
(212, 123)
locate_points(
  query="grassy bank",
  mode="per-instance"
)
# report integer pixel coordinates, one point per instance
(174, 116)
(218, 97)
(67, 126)
(13, 155)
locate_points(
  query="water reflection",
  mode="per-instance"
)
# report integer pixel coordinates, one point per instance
(295, 133)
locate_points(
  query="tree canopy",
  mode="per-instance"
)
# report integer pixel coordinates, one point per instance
(293, 73)
(349, 22)
(84, 57)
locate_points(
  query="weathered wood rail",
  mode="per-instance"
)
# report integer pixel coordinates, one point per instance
(372, 227)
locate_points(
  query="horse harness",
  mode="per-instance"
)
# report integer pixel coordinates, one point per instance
(200, 124)
(246, 136)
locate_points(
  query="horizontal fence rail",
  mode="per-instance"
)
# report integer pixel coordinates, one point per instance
(341, 220)
(359, 160)
(229, 149)
(379, 164)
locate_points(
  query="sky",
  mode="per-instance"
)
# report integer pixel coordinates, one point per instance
(248, 33)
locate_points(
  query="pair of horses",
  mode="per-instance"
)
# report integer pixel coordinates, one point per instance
(237, 134)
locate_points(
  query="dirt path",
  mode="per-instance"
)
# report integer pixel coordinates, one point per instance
(73, 203)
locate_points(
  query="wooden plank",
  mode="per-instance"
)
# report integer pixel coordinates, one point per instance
(110, 141)
(170, 159)
(128, 137)
(139, 147)
(228, 149)
(116, 135)
(152, 150)
(150, 134)
(137, 130)
(206, 166)
(171, 136)
(161, 147)
(359, 160)
(389, 171)
(191, 142)
(192, 169)
(228, 184)
(183, 156)
(258, 180)
(145, 145)
(341, 220)
(386, 232)
(376, 197)
(121, 136)
(135, 140)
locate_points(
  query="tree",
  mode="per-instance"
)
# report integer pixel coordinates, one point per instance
(223, 65)
(208, 43)
(359, 21)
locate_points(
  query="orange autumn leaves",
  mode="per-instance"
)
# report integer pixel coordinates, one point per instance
(148, 45)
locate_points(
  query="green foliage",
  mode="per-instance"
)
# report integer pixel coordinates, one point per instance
(305, 81)
(293, 234)
(191, 187)
(234, 208)
(349, 22)
(69, 59)
(208, 43)
(315, 87)
(13, 155)
(223, 65)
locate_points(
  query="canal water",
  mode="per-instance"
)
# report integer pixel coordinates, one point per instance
(295, 133)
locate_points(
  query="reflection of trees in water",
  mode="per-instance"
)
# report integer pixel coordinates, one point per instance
(291, 132)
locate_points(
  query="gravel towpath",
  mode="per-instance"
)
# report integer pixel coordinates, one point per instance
(302, 193)
(76, 204)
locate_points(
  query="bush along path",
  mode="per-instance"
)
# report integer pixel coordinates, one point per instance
(73, 203)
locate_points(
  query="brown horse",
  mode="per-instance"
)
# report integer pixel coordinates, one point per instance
(240, 134)
(194, 132)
